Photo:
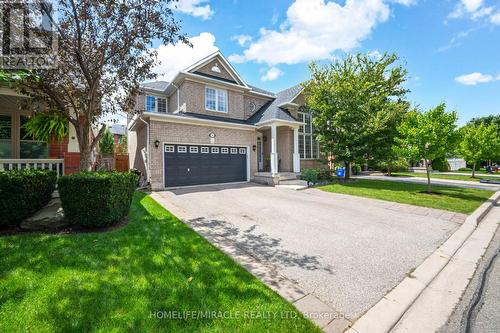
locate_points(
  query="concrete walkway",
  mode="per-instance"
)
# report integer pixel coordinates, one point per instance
(333, 256)
(435, 181)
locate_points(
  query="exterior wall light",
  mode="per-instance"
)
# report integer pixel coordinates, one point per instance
(157, 144)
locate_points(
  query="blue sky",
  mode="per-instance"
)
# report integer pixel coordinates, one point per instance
(451, 48)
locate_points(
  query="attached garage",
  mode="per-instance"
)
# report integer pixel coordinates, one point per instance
(187, 165)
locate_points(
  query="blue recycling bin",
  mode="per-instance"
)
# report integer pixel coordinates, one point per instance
(340, 172)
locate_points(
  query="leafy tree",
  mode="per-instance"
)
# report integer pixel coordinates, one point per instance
(357, 104)
(107, 143)
(122, 147)
(479, 142)
(488, 120)
(104, 52)
(428, 135)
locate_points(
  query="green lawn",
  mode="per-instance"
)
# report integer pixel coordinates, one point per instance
(441, 176)
(114, 281)
(461, 200)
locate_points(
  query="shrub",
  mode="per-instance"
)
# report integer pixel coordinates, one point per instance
(96, 199)
(440, 164)
(324, 174)
(356, 169)
(23, 192)
(309, 175)
(465, 169)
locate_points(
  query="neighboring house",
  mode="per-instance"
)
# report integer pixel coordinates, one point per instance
(18, 151)
(456, 163)
(209, 126)
(119, 132)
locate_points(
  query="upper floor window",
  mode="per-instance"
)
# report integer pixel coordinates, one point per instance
(308, 146)
(215, 99)
(156, 104)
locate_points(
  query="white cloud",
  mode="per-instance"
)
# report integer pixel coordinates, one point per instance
(476, 10)
(174, 58)
(473, 79)
(272, 74)
(405, 2)
(314, 29)
(375, 54)
(242, 39)
(196, 8)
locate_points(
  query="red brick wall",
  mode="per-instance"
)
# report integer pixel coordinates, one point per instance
(71, 163)
(59, 149)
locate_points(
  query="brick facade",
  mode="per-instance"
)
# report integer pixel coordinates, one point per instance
(183, 133)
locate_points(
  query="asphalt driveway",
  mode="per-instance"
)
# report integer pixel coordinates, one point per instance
(347, 251)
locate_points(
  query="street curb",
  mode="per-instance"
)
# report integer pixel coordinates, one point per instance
(384, 315)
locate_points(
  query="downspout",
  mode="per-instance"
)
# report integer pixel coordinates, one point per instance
(148, 152)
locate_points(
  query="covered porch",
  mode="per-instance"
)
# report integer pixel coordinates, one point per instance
(17, 151)
(278, 157)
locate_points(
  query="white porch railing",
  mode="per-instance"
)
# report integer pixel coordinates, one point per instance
(50, 164)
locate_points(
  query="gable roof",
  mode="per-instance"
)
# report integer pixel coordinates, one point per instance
(272, 109)
(156, 85)
(227, 66)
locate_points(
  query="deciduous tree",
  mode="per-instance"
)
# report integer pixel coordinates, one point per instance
(357, 104)
(105, 52)
(479, 143)
(428, 135)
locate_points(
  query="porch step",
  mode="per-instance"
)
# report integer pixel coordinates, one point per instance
(295, 184)
(284, 176)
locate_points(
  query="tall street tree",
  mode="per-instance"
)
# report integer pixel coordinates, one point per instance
(479, 143)
(357, 104)
(105, 52)
(428, 135)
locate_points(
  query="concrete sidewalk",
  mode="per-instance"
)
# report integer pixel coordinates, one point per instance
(424, 300)
(496, 175)
(434, 181)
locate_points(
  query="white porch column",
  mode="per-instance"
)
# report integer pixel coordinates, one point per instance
(296, 155)
(274, 150)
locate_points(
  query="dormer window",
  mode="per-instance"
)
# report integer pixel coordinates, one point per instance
(156, 104)
(215, 99)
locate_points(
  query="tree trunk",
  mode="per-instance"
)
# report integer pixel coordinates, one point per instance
(389, 169)
(474, 170)
(429, 189)
(347, 173)
(85, 156)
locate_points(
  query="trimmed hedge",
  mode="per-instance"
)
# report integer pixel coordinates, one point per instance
(96, 199)
(23, 192)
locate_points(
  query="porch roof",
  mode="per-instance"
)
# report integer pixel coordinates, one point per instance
(272, 110)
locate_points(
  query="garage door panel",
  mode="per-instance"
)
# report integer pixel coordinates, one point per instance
(194, 167)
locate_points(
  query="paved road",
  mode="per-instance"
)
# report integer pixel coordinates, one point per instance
(496, 175)
(487, 318)
(446, 182)
(347, 251)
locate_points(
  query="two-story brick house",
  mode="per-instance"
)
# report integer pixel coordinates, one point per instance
(208, 126)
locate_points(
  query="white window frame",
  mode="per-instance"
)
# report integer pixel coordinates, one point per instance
(243, 151)
(169, 149)
(234, 150)
(156, 103)
(215, 150)
(181, 149)
(307, 136)
(224, 150)
(193, 149)
(217, 92)
(205, 150)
